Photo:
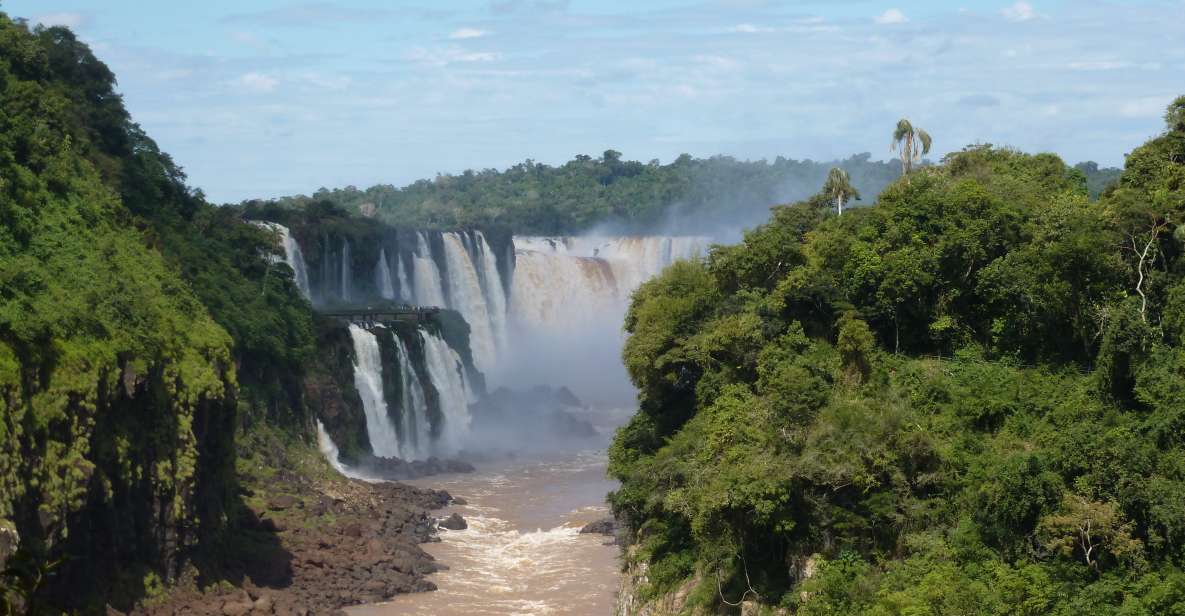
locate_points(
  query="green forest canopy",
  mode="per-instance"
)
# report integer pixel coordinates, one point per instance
(688, 195)
(964, 400)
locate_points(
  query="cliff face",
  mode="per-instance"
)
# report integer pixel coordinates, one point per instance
(129, 310)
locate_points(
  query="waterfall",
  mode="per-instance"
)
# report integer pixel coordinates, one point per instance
(329, 450)
(292, 256)
(559, 289)
(447, 375)
(383, 274)
(368, 379)
(325, 444)
(468, 298)
(495, 292)
(568, 296)
(346, 271)
(428, 288)
(405, 293)
(415, 432)
(555, 276)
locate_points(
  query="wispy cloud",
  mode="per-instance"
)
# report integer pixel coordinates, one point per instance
(891, 16)
(1145, 107)
(449, 55)
(749, 78)
(750, 29)
(258, 82)
(70, 20)
(467, 33)
(322, 14)
(979, 100)
(1021, 11)
(506, 7)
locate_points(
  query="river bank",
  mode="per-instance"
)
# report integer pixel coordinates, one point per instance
(311, 542)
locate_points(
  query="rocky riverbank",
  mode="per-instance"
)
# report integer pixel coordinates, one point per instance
(313, 546)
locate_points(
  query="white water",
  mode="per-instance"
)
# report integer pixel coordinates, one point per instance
(346, 271)
(523, 552)
(383, 273)
(292, 256)
(428, 289)
(329, 450)
(368, 379)
(404, 284)
(493, 290)
(467, 297)
(415, 433)
(448, 377)
(568, 299)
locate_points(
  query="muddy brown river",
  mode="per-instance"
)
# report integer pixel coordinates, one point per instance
(522, 553)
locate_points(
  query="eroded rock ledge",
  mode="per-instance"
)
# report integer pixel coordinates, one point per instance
(314, 547)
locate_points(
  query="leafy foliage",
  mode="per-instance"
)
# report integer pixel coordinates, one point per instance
(135, 320)
(688, 194)
(964, 399)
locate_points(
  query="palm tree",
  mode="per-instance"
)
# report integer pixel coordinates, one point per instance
(839, 187)
(913, 143)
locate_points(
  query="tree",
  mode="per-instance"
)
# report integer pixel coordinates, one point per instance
(839, 188)
(1174, 117)
(1089, 530)
(913, 143)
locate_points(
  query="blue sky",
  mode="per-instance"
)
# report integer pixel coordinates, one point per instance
(271, 97)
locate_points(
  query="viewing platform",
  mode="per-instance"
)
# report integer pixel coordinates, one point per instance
(367, 315)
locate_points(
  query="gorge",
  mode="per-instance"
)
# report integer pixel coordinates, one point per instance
(520, 304)
(964, 398)
(541, 312)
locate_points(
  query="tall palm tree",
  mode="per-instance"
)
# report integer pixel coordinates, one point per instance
(839, 187)
(913, 143)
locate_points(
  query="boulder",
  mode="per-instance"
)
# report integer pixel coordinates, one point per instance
(454, 522)
(282, 502)
(237, 608)
(604, 526)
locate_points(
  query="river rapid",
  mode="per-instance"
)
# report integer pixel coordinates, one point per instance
(523, 552)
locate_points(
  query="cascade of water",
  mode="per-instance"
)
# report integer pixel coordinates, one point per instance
(292, 256)
(404, 286)
(571, 293)
(329, 450)
(495, 292)
(428, 288)
(325, 444)
(414, 429)
(368, 379)
(324, 285)
(346, 271)
(557, 289)
(447, 375)
(555, 276)
(383, 274)
(468, 298)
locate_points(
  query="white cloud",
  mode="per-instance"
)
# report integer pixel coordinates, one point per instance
(328, 81)
(258, 82)
(1099, 65)
(891, 16)
(70, 20)
(749, 29)
(452, 55)
(1147, 107)
(467, 33)
(1021, 11)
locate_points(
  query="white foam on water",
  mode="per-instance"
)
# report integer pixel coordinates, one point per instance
(383, 273)
(368, 380)
(332, 455)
